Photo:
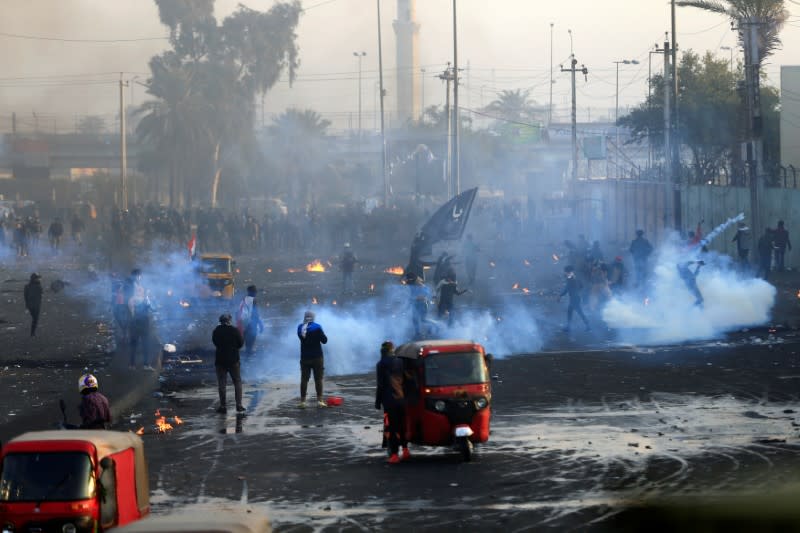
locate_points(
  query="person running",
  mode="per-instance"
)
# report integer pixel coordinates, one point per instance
(690, 279)
(312, 337)
(640, 251)
(33, 300)
(572, 288)
(348, 265)
(448, 289)
(228, 341)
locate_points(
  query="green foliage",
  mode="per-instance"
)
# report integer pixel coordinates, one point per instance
(205, 87)
(711, 118)
(772, 15)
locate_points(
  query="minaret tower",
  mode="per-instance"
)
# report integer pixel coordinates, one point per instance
(408, 75)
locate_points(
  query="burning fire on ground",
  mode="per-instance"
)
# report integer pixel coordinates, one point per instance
(395, 270)
(315, 266)
(314, 300)
(515, 287)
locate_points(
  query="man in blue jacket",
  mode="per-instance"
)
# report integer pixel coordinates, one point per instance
(311, 360)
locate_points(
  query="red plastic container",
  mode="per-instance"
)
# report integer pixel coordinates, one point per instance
(334, 401)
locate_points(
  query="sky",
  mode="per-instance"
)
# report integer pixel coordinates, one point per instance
(57, 77)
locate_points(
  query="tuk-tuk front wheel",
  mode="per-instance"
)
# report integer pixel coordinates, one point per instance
(464, 446)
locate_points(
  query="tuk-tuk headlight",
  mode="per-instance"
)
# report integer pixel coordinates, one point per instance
(439, 405)
(480, 403)
(69, 528)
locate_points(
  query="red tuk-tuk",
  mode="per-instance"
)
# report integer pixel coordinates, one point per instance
(72, 481)
(453, 404)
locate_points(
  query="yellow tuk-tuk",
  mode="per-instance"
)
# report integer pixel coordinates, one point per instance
(216, 271)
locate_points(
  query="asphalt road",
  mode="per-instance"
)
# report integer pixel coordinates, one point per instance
(581, 429)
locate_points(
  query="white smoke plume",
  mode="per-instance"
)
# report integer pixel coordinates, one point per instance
(665, 312)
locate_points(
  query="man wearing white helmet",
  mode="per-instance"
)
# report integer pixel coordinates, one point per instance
(94, 409)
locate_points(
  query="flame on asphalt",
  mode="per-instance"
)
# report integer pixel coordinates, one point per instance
(314, 300)
(315, 266)
(395, 270)
(515, 286)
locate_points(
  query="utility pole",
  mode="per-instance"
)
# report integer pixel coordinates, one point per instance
(573, 69)
(359, 56)
(383, 127)
(668, 192)
(123, 148)
(422, 84)
(676, 143)
(550, 107)
(447, 76)
(616, 112)
(456, 111)
(753, 148)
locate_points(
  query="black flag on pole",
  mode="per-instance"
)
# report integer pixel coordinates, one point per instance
(448, 223)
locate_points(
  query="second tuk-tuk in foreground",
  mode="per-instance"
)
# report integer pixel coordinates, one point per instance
(451, 401)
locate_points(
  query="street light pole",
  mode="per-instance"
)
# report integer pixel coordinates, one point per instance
(550, 112)
(359, 56)
(729, 48)
(422, 107)
(383, 127)
(456, 110)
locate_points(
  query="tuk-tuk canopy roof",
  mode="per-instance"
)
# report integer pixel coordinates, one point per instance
(105, 442)
(411, 350)
(223, 520)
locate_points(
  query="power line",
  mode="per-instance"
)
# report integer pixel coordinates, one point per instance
(66, 40)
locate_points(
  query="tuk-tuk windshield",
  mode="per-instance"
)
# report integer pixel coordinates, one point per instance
(216, 265)
(454, 369)
(39, 477)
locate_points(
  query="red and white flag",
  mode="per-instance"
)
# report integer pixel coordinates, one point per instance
(192, 247)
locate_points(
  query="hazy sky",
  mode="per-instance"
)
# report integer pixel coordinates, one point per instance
(506, 44)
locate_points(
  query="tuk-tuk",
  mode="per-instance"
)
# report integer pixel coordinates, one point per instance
(216, 272)
(72, 481)
(452, 406)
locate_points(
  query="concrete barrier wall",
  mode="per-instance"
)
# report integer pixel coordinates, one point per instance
(612, 210)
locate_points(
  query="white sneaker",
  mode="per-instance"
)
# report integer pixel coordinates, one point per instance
(320, 403)
(302, 404)
(148, 368)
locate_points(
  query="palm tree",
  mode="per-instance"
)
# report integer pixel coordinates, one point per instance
(515, 106)
(173, 123)
(299, 144)
(770, 15)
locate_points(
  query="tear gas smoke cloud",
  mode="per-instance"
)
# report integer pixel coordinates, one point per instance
(669, 313)
(355, 334)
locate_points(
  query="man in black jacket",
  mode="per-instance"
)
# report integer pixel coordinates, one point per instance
(33, 300)
(311, 358)
(390, 394)
(572, 288)
(228, 342)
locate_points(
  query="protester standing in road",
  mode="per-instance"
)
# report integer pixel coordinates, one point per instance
(228, 341)
(94, 409)
(781, 239)
(348, 265)
(33, 300)
(690, 279)
(640, 251)
(390, 394)
(139, 326)
(743, 243)
(420, 294)
(311, 357)
(77, 226)
(248, 321)
(54, 233)
(766, 245)
(572, 288)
